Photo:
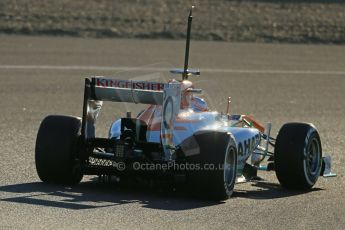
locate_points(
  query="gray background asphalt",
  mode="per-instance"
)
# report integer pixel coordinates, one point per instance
(278, 83)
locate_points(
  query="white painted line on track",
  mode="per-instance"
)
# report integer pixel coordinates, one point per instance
(207, 70)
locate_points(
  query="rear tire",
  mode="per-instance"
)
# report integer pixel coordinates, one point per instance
(56, 150)
(298, 156)
(217, 150)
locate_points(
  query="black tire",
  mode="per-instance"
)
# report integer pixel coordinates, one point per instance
(215, 148)
(56, 150)
(298, 156)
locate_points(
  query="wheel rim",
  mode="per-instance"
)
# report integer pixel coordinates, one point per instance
(312, 160)
(230, 170)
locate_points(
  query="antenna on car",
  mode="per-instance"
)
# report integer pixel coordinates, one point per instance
(187, 72)
(186, 57)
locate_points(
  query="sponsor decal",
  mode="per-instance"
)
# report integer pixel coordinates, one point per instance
(247, 146)
(156, 86)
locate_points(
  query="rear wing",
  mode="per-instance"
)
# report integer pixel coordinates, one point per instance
(142, 92)
(99, 89)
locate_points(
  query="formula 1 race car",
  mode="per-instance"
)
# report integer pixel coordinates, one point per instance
(176, 137)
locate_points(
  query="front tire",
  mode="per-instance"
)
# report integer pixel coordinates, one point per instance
(298, 156)
(56, 150)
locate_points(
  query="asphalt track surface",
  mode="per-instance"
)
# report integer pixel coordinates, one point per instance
(273, 82)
